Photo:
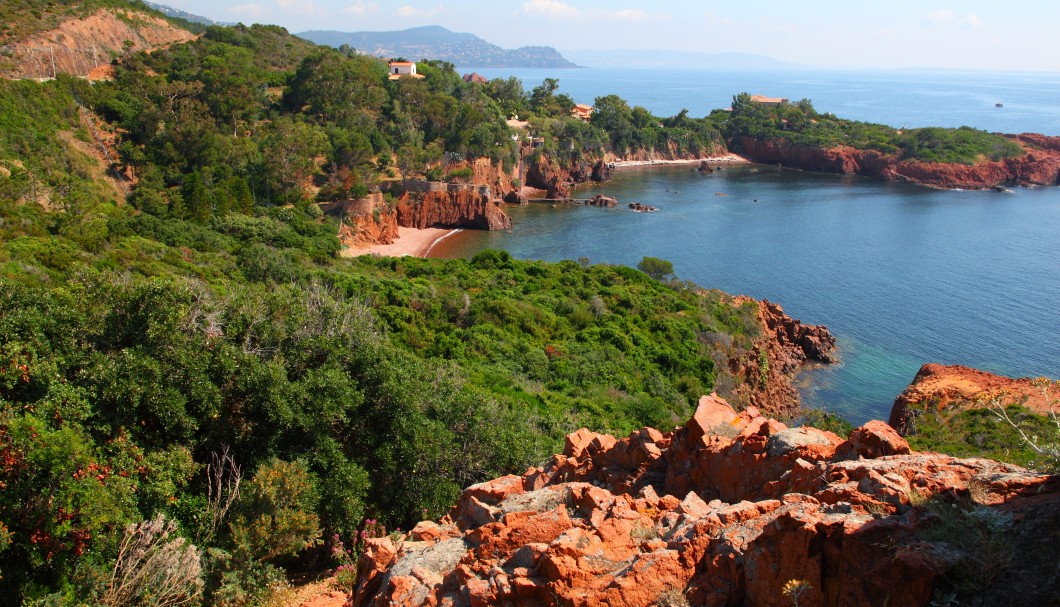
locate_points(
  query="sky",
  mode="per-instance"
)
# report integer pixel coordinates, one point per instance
(1010, 35)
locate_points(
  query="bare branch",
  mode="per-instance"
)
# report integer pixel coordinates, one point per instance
(155, 567)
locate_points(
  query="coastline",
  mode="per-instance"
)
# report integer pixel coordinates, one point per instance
(411, 242)
(726, 159)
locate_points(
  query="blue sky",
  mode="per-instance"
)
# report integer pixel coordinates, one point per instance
(1018, 35)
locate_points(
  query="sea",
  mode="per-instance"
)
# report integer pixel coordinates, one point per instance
(901, 274)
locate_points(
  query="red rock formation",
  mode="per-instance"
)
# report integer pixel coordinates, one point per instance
(365, 230)
(956, 387)
(461, 207)
(785, 345)
(600, 200)
(725, 510)
(495, 176)
(557, 179)
(424, 204)
(1040, 166)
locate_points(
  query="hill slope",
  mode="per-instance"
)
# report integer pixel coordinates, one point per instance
(436, 42)
(68, 39)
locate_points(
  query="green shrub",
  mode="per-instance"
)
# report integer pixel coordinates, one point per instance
(276, 513)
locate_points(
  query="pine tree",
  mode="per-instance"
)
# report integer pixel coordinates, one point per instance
(195, 198)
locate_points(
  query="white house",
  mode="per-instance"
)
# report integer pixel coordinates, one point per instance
(400, 69)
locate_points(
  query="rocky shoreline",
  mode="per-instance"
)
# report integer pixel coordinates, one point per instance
(1040, 166)
(726, 159)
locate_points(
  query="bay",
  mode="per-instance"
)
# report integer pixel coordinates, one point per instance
(902, 274)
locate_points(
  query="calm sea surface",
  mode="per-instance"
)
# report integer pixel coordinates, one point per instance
(903, 275)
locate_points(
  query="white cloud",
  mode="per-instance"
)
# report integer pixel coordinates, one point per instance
(947, 18)
(360, 8)
(411, 11)
(714, 19)
(301, 7)
(253, 11)
(628, 14)
(549, 8)
(943, 16)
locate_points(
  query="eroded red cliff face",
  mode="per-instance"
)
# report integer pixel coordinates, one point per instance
(421, 205)
(1040, 166)
(455, 206)
(366, 230)
(557, 179)
(729, 509)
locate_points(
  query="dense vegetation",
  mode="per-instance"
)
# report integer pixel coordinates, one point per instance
(982, 432)
(156, 352)
(387, 384)
(800, 124)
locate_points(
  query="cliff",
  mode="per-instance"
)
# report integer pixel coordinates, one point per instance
(426, 204)
(784, 346)
(955, 387)
(1039, 166)
(366, 221)
(732, 509)
(82, 46)
(440, 205)
(558, 177)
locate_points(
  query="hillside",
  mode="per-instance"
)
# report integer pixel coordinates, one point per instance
(78, 38)
(439, 43)
(175, 320)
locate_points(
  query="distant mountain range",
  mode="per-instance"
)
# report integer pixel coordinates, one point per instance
(664, 58)
(436, 42)
(169, 11)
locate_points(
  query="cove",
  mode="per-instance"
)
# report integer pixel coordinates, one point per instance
(901, 274)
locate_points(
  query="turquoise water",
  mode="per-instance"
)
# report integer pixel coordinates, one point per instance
(902, 274)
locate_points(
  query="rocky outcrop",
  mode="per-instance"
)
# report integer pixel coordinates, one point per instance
(795, 343)
(451, 206)
(599, 200)
(730, 509)
(492, 175)
(81, 46)
(428, 204)
(785, 345)
(954, 387)
(1039, 166)
(557, 180)
(558, 177)
(364, 221)
(672, 152)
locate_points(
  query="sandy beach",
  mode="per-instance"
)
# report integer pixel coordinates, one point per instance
(727, 159)
(410, 241)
